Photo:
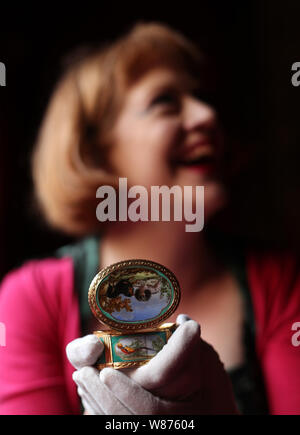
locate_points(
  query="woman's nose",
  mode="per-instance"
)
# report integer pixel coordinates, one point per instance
(197, 113)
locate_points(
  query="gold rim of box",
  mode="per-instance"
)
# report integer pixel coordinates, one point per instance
(112, 332)
(92, 294)
(122, 365)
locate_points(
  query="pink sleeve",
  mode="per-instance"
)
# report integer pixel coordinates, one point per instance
(40, 313)
(275, 283)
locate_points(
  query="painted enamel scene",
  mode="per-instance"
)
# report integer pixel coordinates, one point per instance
(135, 295)
(137, 347)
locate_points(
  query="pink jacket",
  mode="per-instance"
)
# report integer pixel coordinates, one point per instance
(40, 310)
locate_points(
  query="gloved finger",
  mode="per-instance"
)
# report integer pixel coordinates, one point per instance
(174, 360)
(84, 351)
(84, 392)
(87, 409)
(89, 405)
(138, 400)
(181, 318)
(97, 394)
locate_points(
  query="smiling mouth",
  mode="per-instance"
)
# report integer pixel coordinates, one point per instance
(197, 159)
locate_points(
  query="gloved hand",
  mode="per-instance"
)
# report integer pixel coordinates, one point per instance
(185, 377)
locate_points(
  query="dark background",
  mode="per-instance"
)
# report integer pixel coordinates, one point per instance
(252, 45)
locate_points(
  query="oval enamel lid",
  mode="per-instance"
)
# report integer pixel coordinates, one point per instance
(134, 295)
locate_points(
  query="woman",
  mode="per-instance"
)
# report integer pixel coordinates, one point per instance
(134, 109)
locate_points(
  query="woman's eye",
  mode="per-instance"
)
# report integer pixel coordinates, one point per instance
(165, 99)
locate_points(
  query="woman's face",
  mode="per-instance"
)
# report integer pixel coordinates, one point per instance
(166, 135)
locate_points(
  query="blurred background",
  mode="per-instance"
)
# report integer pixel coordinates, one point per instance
(252, 45)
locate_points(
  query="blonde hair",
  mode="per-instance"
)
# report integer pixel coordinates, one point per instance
(69, 160)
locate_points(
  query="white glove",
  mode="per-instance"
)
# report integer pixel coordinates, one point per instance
(185, 377)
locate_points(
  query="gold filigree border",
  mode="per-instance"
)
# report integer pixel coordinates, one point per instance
(122, 365)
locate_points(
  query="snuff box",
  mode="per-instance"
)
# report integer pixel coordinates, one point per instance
(133, 298)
